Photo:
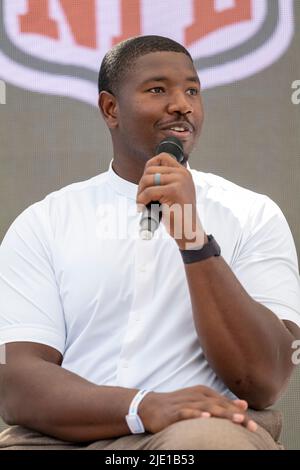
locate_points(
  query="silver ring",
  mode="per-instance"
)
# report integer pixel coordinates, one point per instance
(157, 179)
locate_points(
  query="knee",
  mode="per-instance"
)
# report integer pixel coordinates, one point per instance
(205, 434)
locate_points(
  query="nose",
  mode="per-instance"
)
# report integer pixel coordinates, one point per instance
(179, 102)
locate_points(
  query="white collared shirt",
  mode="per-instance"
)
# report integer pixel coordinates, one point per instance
(74, 275)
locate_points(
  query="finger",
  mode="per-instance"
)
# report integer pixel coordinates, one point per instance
(209, 392)
(220, 411)
(160, 169)
(237, 406)
(147, 181)
(227, 411)
(245, 421)
(251, 425)
(163, 194)
(238, 418)
(151, 170)
(231, 404)
(231, 413)
(188, 413)
(226, 408)
(162, 159)
(205, 414)
(241, 403)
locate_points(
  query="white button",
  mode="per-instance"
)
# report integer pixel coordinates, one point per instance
(125, 364)
(143, 268)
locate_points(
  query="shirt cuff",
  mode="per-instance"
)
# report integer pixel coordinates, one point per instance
(34, 335)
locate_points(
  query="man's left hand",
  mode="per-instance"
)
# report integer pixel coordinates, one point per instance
(177, 195)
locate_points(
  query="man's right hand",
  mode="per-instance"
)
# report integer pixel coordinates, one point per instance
(159, 410)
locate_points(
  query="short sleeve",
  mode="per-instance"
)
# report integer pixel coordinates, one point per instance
(267, 264)
(30, 304)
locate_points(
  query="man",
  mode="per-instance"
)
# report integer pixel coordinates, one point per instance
(115, 342)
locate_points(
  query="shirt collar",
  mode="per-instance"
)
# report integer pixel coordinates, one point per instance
(120, 185)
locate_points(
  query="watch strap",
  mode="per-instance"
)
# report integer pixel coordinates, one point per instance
(211, 248)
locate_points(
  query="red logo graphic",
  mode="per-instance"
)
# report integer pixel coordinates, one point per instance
(56, 46)
(81, 18)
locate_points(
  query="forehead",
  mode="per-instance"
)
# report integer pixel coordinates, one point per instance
(170, 65)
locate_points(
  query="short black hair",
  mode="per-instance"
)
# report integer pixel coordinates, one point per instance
(118, 60)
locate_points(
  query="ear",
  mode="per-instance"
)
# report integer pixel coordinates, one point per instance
(109, 108)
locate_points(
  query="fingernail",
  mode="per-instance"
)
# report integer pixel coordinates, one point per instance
(238, 418)
(252, 426)
(241, 403)
(205, 414)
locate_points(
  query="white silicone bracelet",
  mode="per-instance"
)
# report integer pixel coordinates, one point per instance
(133, 420)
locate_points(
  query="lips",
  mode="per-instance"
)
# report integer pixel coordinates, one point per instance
(178, 126)
(179, 129)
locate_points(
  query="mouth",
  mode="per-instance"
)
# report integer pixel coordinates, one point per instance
(181, 130)
(181, 135)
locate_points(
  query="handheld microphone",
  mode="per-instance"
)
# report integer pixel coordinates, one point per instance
(151, 215)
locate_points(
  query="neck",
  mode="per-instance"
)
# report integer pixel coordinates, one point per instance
(131, 168)
(128, 170)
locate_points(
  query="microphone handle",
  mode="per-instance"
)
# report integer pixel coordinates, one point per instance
(152, 215)
(150, 219)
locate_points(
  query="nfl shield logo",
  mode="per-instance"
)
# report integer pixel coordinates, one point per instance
(56, 46)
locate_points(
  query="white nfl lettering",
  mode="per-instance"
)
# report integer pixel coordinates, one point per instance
(221, 5)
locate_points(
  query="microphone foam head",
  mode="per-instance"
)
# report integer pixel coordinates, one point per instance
(173, 146)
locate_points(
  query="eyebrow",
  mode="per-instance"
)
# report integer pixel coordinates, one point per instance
(194, 79)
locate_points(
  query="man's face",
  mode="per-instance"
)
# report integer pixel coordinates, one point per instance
(160, 98)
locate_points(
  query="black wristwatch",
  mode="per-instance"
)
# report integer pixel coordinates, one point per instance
(211, 248)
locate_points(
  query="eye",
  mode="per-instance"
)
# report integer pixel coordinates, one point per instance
(193, 91)
(156, 90)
